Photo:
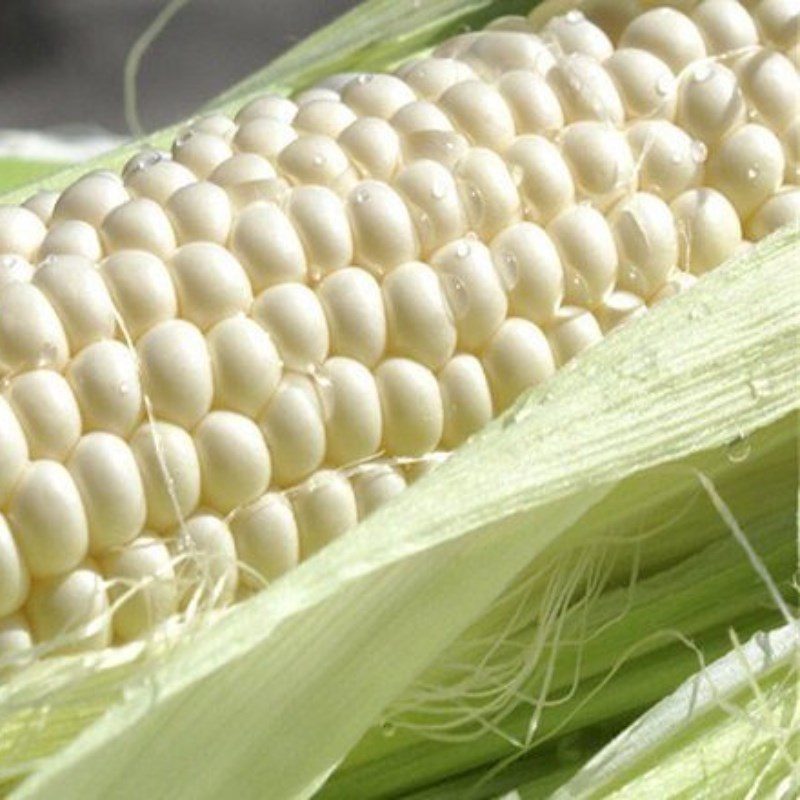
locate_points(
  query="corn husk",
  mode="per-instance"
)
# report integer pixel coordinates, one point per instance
(501, 620)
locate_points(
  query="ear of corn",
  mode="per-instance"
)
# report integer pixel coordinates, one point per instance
(336, 411)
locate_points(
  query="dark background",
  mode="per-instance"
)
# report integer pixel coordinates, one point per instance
(61, 61)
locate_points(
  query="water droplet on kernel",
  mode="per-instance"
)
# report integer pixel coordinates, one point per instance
(462, 249)
(508, 270)
(664, 84)
(699, 151)
(574, 16)
(361, 196)
(457, 296)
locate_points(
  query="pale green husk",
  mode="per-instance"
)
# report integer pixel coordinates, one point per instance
(569, 553)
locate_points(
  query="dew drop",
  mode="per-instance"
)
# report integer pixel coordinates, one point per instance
(664, 84)
(438, 191)
(701, 72)
(364, 78)
(462, 249)
(759, 388)
(517, 174)
(699, 151)
(325, 393)
(361, 196)
(457, 296)
(752, 173)
(388, 729)
(738, 450)
(508, 270)
(574, 16)
(48, 354)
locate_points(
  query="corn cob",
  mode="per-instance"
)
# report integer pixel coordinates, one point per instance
(219, 362)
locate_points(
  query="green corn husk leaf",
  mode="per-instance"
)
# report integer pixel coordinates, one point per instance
(401, 634)
(733, 729)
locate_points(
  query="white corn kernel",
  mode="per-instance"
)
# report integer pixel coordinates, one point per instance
(530, 270)
(325, 507)
(91, 198)
(444, 147)
(328, 117)
(479, 111)
(647, 242)
(176, 372)
(72, 606)
(105, 473)
(588, 253)
(668, 161)
(573, 331)
(21, 232)
(473, 291)
(14, 577)
(783, 208)
(13, 450)
(710, 103)
(71, 237)
(421, 115)
(544, 178)
(141, 289)
(585, 90)
(352, 410)
(139, 224)
(245, 364)
(601, 162)
(618, 309)
(295, 320)
(159, 181)
(431, 192)
(573, 33)
(778, 21)
(771, 85)
(105, 380)
(271, 106)
(356, 318)
(76, 290)
(374, 485)
(791, 146)
(200, 211)
(207, 565)
(320, 220)
(377, 95)
(466, 399)
(384, 234)
(14, 269)
(264, 136)
(31, 334)
(142, 587)
(373, 146)
(492, 53)
(510, 22)
(267, 245)
(646, 84)
(413, 418)
(200, 152)
(668, 34)
(267, 541)
(46, 409)
(747, 167)
(242, 168)
(216, 124)
(488, 192)
(709, 229)
(170, 471)
(48, 520)
(210, 283)
(293, 426)
(419, 321)
(16, 641)
(234, 460)
(516, 358)
(532, 102)
(314, 158)
(431, 77)
(43, 204)
(726, 27)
